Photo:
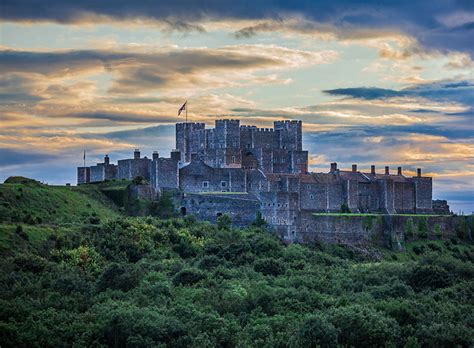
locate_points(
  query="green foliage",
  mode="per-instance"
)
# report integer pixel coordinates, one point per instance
(409, 228)
(422, 229)
(163, 207)
(224, 221)
(150, 282)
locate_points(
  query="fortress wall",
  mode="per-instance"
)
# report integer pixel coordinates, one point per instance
(131, 168)
(164, 173)
(299, 162)
(242, 211)
(200, 178)
(423, 194)
(97, 173)
(281, 161)
(404, 197)
(388, 230)
(265, 138)
(335, 196)
(280, 211)
(247, 134)
(313, 196)
(83, 175)
(289, 134)
(352, 195)
(386, 196)
(227, 134)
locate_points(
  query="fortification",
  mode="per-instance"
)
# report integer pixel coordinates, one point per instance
(241, 170)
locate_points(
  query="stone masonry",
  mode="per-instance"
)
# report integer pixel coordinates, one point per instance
(238, 170)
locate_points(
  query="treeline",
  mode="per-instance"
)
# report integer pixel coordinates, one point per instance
(147, 282)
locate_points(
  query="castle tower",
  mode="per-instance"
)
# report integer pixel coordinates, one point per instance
(227, 134)
(189, 138)
(290, 134)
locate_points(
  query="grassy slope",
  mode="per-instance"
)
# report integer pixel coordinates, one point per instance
(43, 210)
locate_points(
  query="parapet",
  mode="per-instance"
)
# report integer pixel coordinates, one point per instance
(191, 125)
(265, 130)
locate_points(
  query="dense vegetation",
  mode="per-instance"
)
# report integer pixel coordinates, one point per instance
(143, 282)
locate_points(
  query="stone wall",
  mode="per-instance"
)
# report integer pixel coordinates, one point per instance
(242, 208)
(388, 230)
(131, 168)
(199, 177)
(83, 175)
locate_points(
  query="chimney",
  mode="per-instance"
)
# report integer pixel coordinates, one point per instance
(354, 168)
(333, 166)
(106, 160)
(372, 170)
(136, 154)
(387, 170)
(399, 171)
(155, 155)
(176, 155)
(418, 172)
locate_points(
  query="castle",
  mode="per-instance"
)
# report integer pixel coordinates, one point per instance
(242, 170)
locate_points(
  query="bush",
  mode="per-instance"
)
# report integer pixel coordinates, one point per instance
(429, 277)
(118, 276)
(316, 331)
(21, 233)
(188, 276)
(269, 266)
(363, 326)
(224, 222)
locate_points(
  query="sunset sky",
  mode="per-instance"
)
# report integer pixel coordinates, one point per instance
(372, 83)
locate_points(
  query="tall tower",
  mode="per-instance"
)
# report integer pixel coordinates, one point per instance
(290, 134)
(189, 138)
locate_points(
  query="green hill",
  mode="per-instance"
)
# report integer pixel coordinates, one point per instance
(89, 276)
(24, 200)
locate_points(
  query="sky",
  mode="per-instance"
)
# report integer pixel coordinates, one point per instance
(374, 82)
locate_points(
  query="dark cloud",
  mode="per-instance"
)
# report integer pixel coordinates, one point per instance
(365, 92)
(445, 91)
(439, 25)
(10, 157)
(121, 117)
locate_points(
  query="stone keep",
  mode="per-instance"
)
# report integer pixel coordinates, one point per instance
(239, 169)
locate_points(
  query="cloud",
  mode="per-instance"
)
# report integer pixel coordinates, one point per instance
(166, 67)
(445, 26)
(444, 91)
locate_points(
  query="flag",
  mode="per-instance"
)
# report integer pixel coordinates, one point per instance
(182, 108)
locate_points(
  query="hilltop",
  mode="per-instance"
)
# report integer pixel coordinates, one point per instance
(105, 279)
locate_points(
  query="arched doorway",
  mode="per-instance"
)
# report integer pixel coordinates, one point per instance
(183, 211)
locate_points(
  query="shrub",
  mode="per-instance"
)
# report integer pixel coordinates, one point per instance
(118, 276)
(316, 331)
(269, 266)
(21, 233)
(223, 222)
(188, 276)
(429, 277)
(363, 326)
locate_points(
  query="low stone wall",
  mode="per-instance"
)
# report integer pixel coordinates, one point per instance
(389, 230)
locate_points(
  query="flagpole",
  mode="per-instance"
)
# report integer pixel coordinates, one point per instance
(85, 176)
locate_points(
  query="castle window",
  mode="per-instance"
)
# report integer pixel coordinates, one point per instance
(205, 184)
(233, 159)
(223, 184)
(282, 160)
(311, 196)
